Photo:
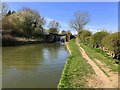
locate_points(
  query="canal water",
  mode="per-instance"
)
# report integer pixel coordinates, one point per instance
(33, 66)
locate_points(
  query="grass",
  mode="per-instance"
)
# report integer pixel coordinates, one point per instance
(95, 53)
(76, 70)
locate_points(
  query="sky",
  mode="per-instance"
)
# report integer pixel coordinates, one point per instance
(104, 15)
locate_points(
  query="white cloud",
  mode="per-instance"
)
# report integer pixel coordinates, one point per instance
(93, 29)
(48, 19)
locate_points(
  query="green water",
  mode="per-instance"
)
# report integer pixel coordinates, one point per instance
(33, 66)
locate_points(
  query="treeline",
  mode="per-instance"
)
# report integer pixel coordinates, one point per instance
(108, 42)
(25, 24)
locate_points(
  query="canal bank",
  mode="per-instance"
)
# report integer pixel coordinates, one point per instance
(8, 40)
(76, 69)
(83, 70)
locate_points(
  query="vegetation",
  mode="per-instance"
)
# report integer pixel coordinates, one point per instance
(9, 40)
(25, 23)
(95, 53)
(66, 32)
(84, 34)
(111, 43)
(53, 27)
(87, 40)
(29, 24)
(63, 32)
(76, 70)
(96, 39)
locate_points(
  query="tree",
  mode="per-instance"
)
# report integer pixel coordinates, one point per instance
(25, 21)
(63, 32)
(54, 26)
(32, 21)
(80, 20)
(69, 32)
(66, 32)
(10, 12)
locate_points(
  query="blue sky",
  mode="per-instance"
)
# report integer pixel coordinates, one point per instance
(103, 14)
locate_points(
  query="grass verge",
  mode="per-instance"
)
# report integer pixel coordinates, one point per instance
(76, 70)
(95, 53)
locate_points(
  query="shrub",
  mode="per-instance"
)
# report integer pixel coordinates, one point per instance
(97, 38)
(83, 34)
(38, 34)
(87, 40)
(18, 33)
(53, 30)
(111, 43)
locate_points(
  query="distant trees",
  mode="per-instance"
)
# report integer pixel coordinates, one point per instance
(80, 20)
(66, 32)
(54, 27)
(63, 32)
(10, 12)
(69, 32)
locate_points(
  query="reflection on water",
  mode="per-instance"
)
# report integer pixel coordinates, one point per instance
(33, 66)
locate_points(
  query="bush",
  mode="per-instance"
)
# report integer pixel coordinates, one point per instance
(96, 38)
(53, 30)
(111, 43)
(18, 33)
(87, 40)
(38, 34)
(83, 34)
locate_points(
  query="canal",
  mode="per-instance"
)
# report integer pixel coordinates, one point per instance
(33, 66)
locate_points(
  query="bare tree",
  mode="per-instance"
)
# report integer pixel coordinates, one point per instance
(80, 20)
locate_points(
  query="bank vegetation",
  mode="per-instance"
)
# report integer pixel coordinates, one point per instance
(26, 26)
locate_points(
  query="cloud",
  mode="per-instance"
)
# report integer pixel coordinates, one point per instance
(48, 19)
(92, 28)
(95, 29)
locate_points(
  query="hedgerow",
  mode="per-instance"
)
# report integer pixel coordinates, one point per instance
(111, 43)
(97, 38)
